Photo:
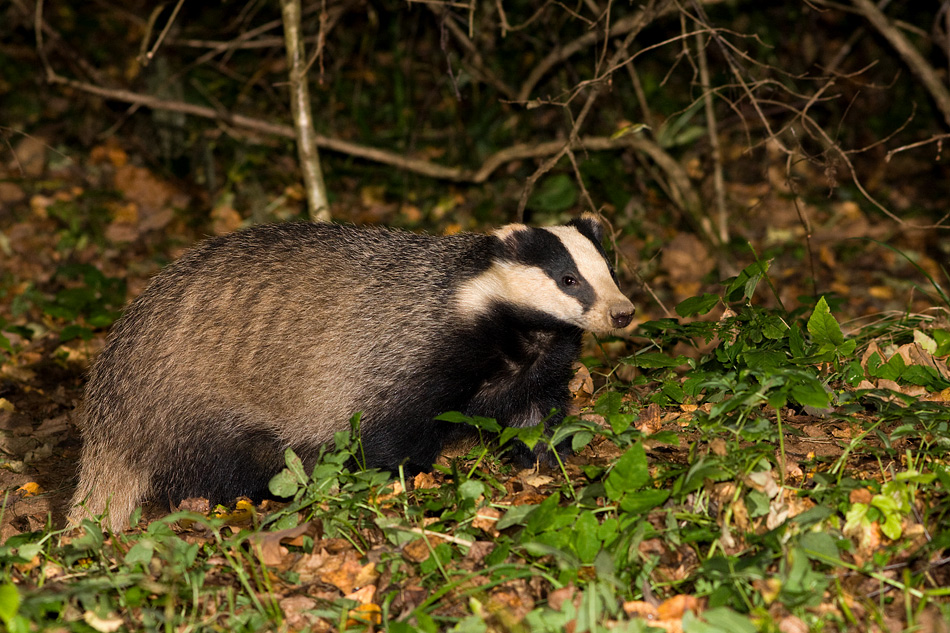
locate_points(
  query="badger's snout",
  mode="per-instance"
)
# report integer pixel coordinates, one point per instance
(621, 313)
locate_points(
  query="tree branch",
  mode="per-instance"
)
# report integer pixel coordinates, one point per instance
(306, 136)
(911, 56)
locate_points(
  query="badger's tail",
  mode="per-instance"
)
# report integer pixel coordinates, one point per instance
(108, 487)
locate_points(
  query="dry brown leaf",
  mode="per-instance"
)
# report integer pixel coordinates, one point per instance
(103, 625)
(295, 608)
(485, 520)
(649, 421)
(510, 605)
(640, 609)
(30, 489)
(677, 606)
(558, 597)
(582, 384)
(424, 481)
(350, 573)
(416, 551)
(860, 495)
(269, 544)
(479, 550)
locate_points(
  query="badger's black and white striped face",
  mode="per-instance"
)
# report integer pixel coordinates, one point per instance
(561, 271)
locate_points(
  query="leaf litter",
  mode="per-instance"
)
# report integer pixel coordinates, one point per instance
(680, 508)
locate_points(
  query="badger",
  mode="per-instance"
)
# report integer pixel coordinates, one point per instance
(273, 337)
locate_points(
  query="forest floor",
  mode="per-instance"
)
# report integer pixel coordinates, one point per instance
(60, 220)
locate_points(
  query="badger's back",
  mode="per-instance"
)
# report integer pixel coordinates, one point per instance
(275, 336)
(264, 339)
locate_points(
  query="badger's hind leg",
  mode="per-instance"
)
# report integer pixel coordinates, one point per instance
(107, 482)
(224, 465)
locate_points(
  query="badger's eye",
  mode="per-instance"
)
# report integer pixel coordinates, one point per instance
(569, 280)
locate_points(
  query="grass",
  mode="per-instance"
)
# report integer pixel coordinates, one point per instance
(791, 478)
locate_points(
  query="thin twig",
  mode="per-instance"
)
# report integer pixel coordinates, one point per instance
(161, 36)
(719, 185)
(911, 56)
(307, 151)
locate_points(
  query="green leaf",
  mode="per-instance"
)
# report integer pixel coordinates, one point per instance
(719, 620)
(796, 341)
(283, 484)
(516, 515)
(819, 546)
(9, 603)
(774, 328)
(486, 424)
(609, 403)
(643, 500)
(557, 193)
(141, 552)
(823, 327)
(810, 392)
(295, 465)
(586, 541)
(942, 338)
(926, 343)
(542, 517)
(652, 360)
(697, 305)
(471, 489)
(746, 281)
(629, 473)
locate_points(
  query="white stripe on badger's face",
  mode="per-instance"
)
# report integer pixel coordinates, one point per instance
(536, 287)
(596, 272)
(522, 286)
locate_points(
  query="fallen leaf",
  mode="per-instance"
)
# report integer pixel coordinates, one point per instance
(103, 625)
(268, 544)
(30, 489)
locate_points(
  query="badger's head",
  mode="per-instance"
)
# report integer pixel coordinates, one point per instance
(560, 271)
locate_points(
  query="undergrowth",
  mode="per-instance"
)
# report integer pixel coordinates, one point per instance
(705, 491)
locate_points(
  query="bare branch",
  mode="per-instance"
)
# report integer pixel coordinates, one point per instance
(306, 135)
(911, 56)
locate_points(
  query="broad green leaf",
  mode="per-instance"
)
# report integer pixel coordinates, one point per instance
(629, 473)
(926, 343)
(608, 403)
(811, 393)
(295, 466)
(471, 489)
(942, 338)
(719, 620)
(9, 602)
(773, 327)
(796, 341)
(586, 541)
(141, 552)
(283, 484)
(823, 327)
(516, 515)
(819, 546)
(697, 305)
(643, 500)
(542, 517)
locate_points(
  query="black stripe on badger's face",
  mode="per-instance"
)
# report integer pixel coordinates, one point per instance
(558, 271)
(543, 249)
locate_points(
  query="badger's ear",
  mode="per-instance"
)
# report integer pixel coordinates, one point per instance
(589, 224)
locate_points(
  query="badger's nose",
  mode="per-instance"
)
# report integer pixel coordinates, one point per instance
(621, 314)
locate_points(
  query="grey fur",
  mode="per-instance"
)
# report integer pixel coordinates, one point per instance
(273, 337)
